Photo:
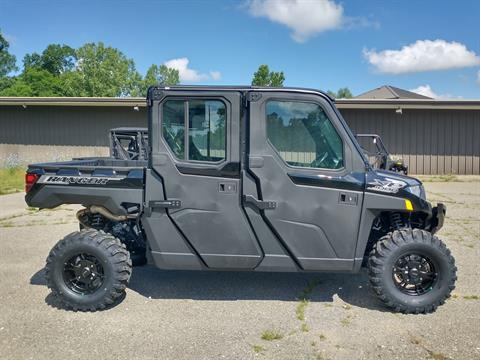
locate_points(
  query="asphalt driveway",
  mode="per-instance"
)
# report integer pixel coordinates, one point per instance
(215, 315)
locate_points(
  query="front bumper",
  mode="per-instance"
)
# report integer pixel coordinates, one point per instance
(438, 216)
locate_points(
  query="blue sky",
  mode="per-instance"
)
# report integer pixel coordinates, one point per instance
(325, 44)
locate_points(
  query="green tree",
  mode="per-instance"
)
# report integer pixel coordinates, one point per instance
(102, 71)
(5, 83)
(32, 60)
(342, 93)
(332, 94)
(160, 75)
(7, 60)
(34, 82)
(264, 77)
(56, 59)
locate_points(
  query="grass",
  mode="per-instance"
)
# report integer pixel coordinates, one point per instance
(437, 356)
(447, 178)
(415, 341)
(303, 303)
(471, 297)
(305, 327)
(258, 348)
(346, 321)
(4, 224)
(12, 180)
(432, 354)
(308, 289)
(322, 337)
(439, 178)
(300, 310)
(270, 335)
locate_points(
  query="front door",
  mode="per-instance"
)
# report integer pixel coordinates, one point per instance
(309, 178)
(195, 150)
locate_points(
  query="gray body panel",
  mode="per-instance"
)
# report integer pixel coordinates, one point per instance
(169, 248)
(111, 198)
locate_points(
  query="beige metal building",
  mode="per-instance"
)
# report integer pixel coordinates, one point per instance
(433, 136)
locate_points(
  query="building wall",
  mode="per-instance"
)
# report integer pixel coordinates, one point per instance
(52, 133)
(430, 141)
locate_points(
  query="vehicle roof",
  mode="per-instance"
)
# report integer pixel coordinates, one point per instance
(241, 88)
(122, 129)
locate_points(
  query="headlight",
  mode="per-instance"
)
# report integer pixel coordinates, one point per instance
(416, 190)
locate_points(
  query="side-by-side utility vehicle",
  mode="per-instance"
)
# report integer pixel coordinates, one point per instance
(244, 179)
(377, 154)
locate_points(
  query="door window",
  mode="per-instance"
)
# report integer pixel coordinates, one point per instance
(206, 130)
(303, 135)
(200, 121)
(173, 126)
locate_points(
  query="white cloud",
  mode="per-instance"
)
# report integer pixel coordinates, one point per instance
(426, 90)
(190, 75)
(423, 55)
(215, 75)
(306, 18)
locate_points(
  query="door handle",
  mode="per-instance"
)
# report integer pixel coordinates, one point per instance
(348, 198)
(259, 204)
(161, 204)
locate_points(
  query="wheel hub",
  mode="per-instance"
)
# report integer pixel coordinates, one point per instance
(414, 274)
(83, 273)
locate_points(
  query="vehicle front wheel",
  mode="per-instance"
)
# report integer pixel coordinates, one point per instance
(412, 271)
(88, 270)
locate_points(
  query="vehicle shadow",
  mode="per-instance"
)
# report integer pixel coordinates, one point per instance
(153, 283)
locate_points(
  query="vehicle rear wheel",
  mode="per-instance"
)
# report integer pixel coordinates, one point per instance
(412, 271)
(88, 270)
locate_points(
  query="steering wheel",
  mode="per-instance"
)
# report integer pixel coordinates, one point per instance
(318, 162)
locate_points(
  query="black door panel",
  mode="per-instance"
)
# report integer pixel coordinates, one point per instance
(211, 216)
(318, 229)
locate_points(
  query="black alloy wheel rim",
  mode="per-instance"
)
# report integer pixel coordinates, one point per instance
(83, 273)
(414, 274)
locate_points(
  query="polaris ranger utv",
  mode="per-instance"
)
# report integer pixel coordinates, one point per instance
(378, 155)
(243, 178)
(129, 143)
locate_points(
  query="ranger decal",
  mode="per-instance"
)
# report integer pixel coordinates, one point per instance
(79, 180)
(391, 186)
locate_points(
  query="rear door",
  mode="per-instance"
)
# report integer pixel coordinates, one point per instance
(195, 150)
(309, 178)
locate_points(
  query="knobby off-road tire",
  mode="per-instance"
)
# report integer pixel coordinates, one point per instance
(138, 259)
(419, 257)
(88, 270)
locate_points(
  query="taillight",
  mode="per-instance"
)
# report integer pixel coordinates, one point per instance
(30, 180)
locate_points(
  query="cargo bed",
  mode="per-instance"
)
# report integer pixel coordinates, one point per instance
(109, 182)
